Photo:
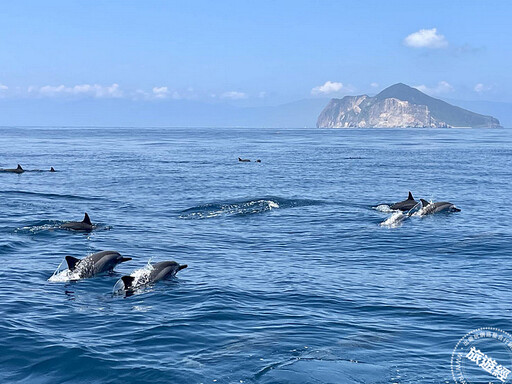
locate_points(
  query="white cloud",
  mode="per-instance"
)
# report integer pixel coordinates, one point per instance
(374, 85)
(426, 38)
(327, 87)
(440, 88)
(234, 95)
(160, 92)
(262, 94)
(3, 87)
(91, 90)
(482, 88)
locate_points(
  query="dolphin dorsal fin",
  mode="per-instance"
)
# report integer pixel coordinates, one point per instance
(86, 219)
(424, 202)
(127, 281)
(72, 262)
(19, 167)
(410, 196)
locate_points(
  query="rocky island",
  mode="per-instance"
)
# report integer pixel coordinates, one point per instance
(399, 106)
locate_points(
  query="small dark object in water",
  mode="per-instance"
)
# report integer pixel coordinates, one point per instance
(52, 170)
(258, 161)
(244, 160)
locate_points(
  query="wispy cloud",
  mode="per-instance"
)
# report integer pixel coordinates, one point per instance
(426, 38)
(374, 85)
(90, 90)
(327, 88)
(481, 88)
(440, 88)
(234, 95)
(3, 90)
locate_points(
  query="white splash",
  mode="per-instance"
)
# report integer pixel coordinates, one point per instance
(63, 276)
(84, 268)
(395, 220)
(384, 208)
(141, 278)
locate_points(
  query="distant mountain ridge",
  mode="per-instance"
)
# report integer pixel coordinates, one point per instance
(399, 106)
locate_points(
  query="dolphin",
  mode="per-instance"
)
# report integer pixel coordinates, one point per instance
(441, 206)
(52, 169)
(84, 225)
(92, 265)
(159, 271)
(405, 205)
(244, 160)
(19, 169)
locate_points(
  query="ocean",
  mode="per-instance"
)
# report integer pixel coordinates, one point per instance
(291, 277)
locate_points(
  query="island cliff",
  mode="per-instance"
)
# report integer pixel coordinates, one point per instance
(399, 106)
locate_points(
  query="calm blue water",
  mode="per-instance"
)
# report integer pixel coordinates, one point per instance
(291, 278)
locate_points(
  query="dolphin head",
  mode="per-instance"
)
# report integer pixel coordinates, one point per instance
(453, 208)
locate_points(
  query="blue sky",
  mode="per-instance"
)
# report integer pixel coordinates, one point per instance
(253, 52)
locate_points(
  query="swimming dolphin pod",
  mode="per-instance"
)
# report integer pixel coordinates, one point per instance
(410, 207)
(19, 169)
(247, 160)
(95, 264)
(159, 271)
(84, 225)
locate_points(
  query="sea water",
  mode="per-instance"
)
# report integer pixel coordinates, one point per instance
(291, 277)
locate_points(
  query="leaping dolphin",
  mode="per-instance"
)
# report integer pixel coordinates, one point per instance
(441, 206)
(405, 205)
(19, 169)
(159, 271)
(92, 265)
(84, 225)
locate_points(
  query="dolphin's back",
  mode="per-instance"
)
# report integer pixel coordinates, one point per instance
(406, 204)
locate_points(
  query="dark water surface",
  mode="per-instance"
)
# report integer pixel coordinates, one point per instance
(291, 278)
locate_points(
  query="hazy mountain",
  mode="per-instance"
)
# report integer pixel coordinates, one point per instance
(399, 106)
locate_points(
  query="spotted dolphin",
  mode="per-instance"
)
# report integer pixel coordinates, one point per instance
(405, 205)
(92, 265)
(19, 169)
(159, 271)
(441, 206)
(84, 225)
